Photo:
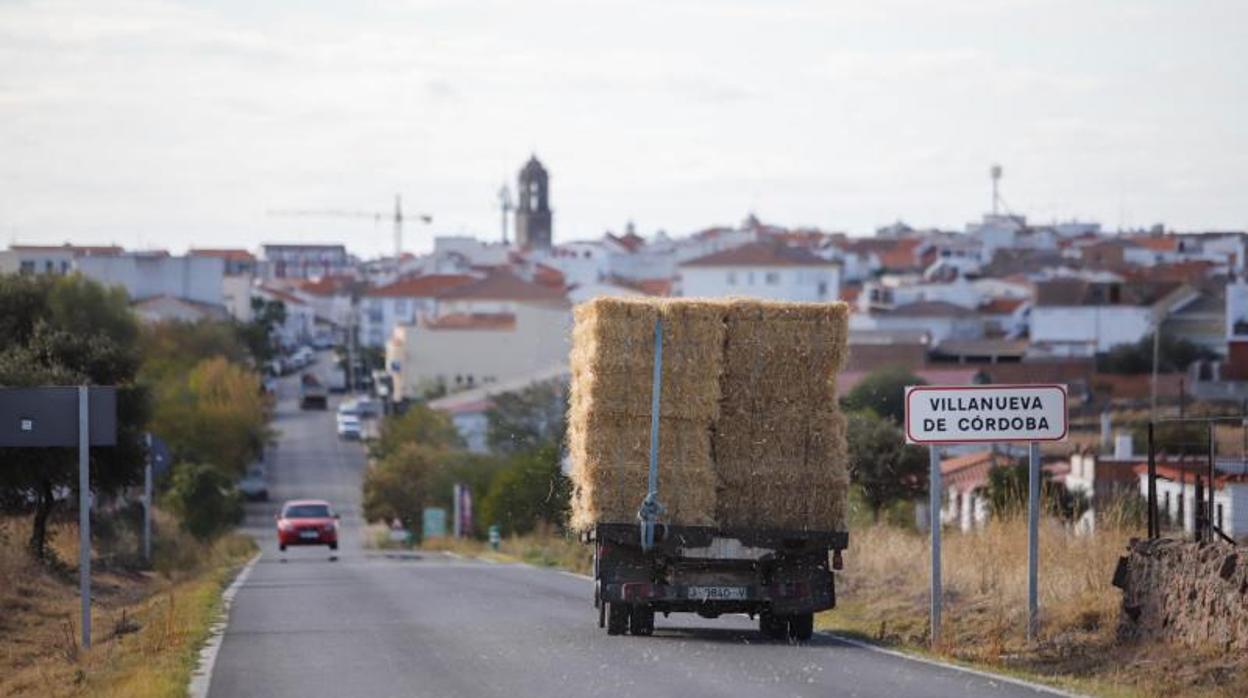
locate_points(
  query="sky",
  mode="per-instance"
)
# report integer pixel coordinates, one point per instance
(174, 124)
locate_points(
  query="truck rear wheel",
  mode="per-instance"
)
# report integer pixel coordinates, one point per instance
(617, 619)
(641, 620)
(772, 626)
(801, 626)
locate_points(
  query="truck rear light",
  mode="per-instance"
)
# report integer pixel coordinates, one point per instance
(837, 563)
(789, 590)
(633, 591)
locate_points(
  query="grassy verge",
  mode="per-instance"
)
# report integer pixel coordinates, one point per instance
(883, 597)
(542, 549)
(147, 626)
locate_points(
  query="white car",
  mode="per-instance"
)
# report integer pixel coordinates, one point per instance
(349, 427)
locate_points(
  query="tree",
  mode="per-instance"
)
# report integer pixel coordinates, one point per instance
(420, 425)
(68, 331)
(1009, 487)
(531, 490)
(1173, 354)
(882, 464)
(883, 392)
(266, 317)
(216, 414)
(398, 486)
(528, 419)
(171, 349)
(205, 500)
(472, 470)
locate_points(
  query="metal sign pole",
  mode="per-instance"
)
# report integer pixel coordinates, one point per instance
(455, 496)
(84, 512)
(1033, 541)
(147, 502)
(934, 497)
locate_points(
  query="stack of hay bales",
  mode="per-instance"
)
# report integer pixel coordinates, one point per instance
(750, 435)
(612, 365)
(779, 442)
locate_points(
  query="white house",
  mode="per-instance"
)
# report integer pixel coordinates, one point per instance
(488, 331)
(941, 320)
(149, 274)
(764, 270)
(1176, 497)
(402, 303)
(298, 261)
(300, 325)
(49, 259)
(1077, 317)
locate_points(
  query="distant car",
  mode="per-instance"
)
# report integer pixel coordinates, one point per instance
(307, 522)
(255, 485)
(349, 427)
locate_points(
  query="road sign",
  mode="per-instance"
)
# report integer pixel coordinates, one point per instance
(48, 417)
(985, 413)
(433, 523)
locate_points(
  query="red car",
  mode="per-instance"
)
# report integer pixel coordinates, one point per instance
(307, 522)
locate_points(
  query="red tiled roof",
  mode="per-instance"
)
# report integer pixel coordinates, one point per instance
(281, 295)
(1157, 243)
(1181, 272)
(761, 254)
(549, 276)
(850, 294)
(1188, 471)
(473, 321)
(1001, 306)
(233, 255)
(629, 241)
(502, 285)
(970, 472)
(428, 286)
(326, 285)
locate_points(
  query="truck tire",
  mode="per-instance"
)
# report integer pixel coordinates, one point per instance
(772, 626)
(641, 620)
(801, 626)
(617, 619)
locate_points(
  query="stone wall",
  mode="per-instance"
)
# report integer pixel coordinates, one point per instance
(1183, 592)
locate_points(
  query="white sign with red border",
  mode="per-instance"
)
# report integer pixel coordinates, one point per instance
(985, 413)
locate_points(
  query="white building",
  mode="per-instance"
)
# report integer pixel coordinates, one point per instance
(468, 409)
(1077, 317)
(146, 275)
(49, 259)
(291, 261)
(487, 331)
(403, 302)
(762, 270)
(300, 325)
(1176, 497)
(940, 320)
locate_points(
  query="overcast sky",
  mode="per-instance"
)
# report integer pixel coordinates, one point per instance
(182, 123)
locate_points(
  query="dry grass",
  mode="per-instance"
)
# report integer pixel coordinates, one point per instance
(883, 595)
(546, 548)
(146, 627)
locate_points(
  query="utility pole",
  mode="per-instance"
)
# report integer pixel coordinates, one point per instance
(505, 204)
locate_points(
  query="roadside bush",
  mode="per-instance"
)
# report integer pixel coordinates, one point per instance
(418, 426)
(882, 392)
(529, 492)
(398, 486)
(204, 500)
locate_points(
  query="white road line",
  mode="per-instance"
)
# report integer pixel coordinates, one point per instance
(936, 662)
(576, 575)
(201, 678)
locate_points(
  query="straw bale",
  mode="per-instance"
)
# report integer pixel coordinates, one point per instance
(611, 462)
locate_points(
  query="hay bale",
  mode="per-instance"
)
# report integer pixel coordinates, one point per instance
(750, 435)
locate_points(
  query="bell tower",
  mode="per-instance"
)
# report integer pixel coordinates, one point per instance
(533, 215)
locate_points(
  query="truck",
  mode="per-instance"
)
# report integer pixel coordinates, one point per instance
(312, 393)
(780, 577)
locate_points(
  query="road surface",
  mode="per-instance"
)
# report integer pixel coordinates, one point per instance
(425, 624)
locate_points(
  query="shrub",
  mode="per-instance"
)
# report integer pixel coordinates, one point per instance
(529, 492)
(205, 500)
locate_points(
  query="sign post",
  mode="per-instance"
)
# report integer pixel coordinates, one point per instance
(934, 495)
(987, 414)
(84, 511)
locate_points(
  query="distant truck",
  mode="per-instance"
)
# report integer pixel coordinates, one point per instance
(312, 393)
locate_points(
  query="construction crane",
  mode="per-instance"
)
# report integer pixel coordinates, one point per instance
(374, 215)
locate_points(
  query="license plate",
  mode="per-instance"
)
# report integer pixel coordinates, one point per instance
(309, 534)
(718, 593)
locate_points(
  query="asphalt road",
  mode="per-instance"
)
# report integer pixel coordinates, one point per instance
(375, 625)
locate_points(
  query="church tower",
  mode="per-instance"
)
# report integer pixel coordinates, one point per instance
(533, 218)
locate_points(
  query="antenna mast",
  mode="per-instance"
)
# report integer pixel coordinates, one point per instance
(995, 172)
(504, 204)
